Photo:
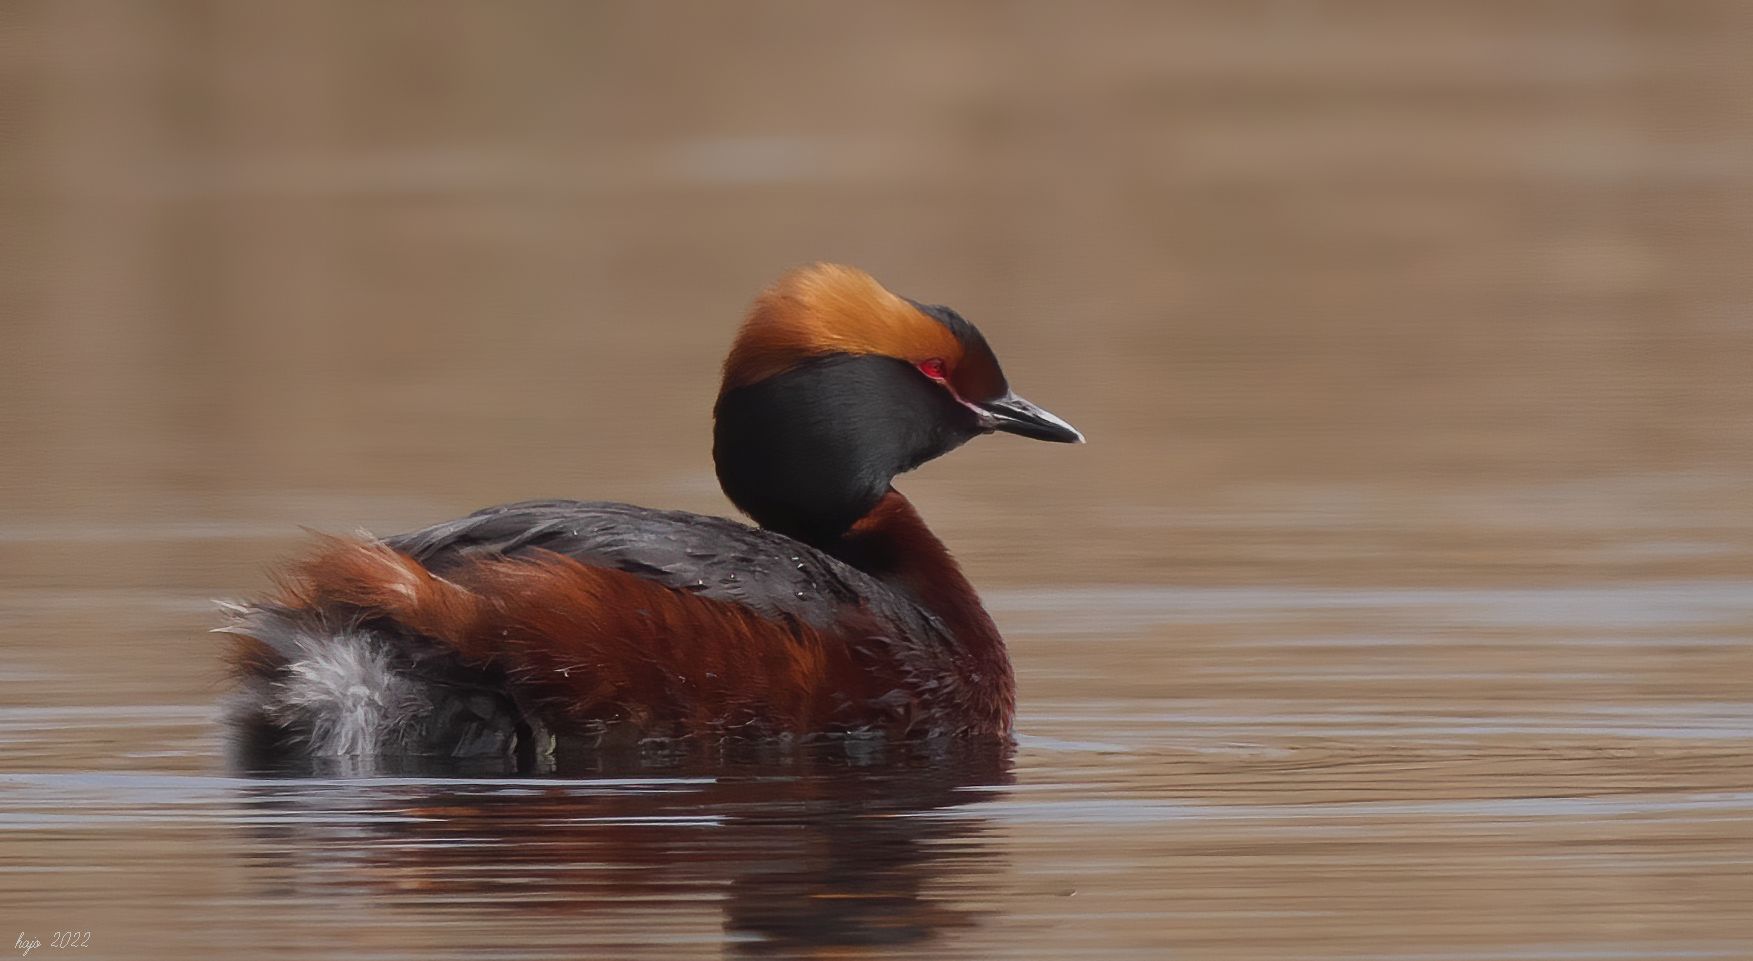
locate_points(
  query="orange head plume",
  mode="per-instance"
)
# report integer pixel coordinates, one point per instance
(825, 309)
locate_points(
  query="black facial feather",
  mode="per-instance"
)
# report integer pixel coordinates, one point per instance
(974, 346)
(812, 450)
(947, 316)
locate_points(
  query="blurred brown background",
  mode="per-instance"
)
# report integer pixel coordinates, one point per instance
(1454, 286)
(1413, 342)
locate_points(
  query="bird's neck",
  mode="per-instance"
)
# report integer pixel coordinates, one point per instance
(892, 543)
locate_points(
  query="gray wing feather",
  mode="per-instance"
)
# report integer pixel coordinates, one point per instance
(711, 556)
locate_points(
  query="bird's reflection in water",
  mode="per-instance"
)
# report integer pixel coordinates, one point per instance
(805, 850)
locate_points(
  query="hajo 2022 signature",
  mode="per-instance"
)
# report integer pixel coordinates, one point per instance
(62, 939)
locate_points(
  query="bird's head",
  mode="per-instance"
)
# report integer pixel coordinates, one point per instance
(835, 385)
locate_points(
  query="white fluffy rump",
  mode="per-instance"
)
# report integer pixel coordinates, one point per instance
(345, 690)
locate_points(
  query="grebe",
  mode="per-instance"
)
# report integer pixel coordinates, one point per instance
(520, 626)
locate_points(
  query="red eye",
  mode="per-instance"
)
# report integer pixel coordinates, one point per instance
(935, 369)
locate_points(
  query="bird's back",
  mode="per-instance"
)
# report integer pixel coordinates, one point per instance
(713, 557)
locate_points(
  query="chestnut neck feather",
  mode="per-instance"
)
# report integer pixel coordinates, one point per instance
(893, 544)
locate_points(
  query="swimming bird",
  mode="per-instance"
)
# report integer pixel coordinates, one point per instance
(523, 626)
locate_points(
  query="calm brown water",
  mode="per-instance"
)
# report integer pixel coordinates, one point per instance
(1400, 607)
